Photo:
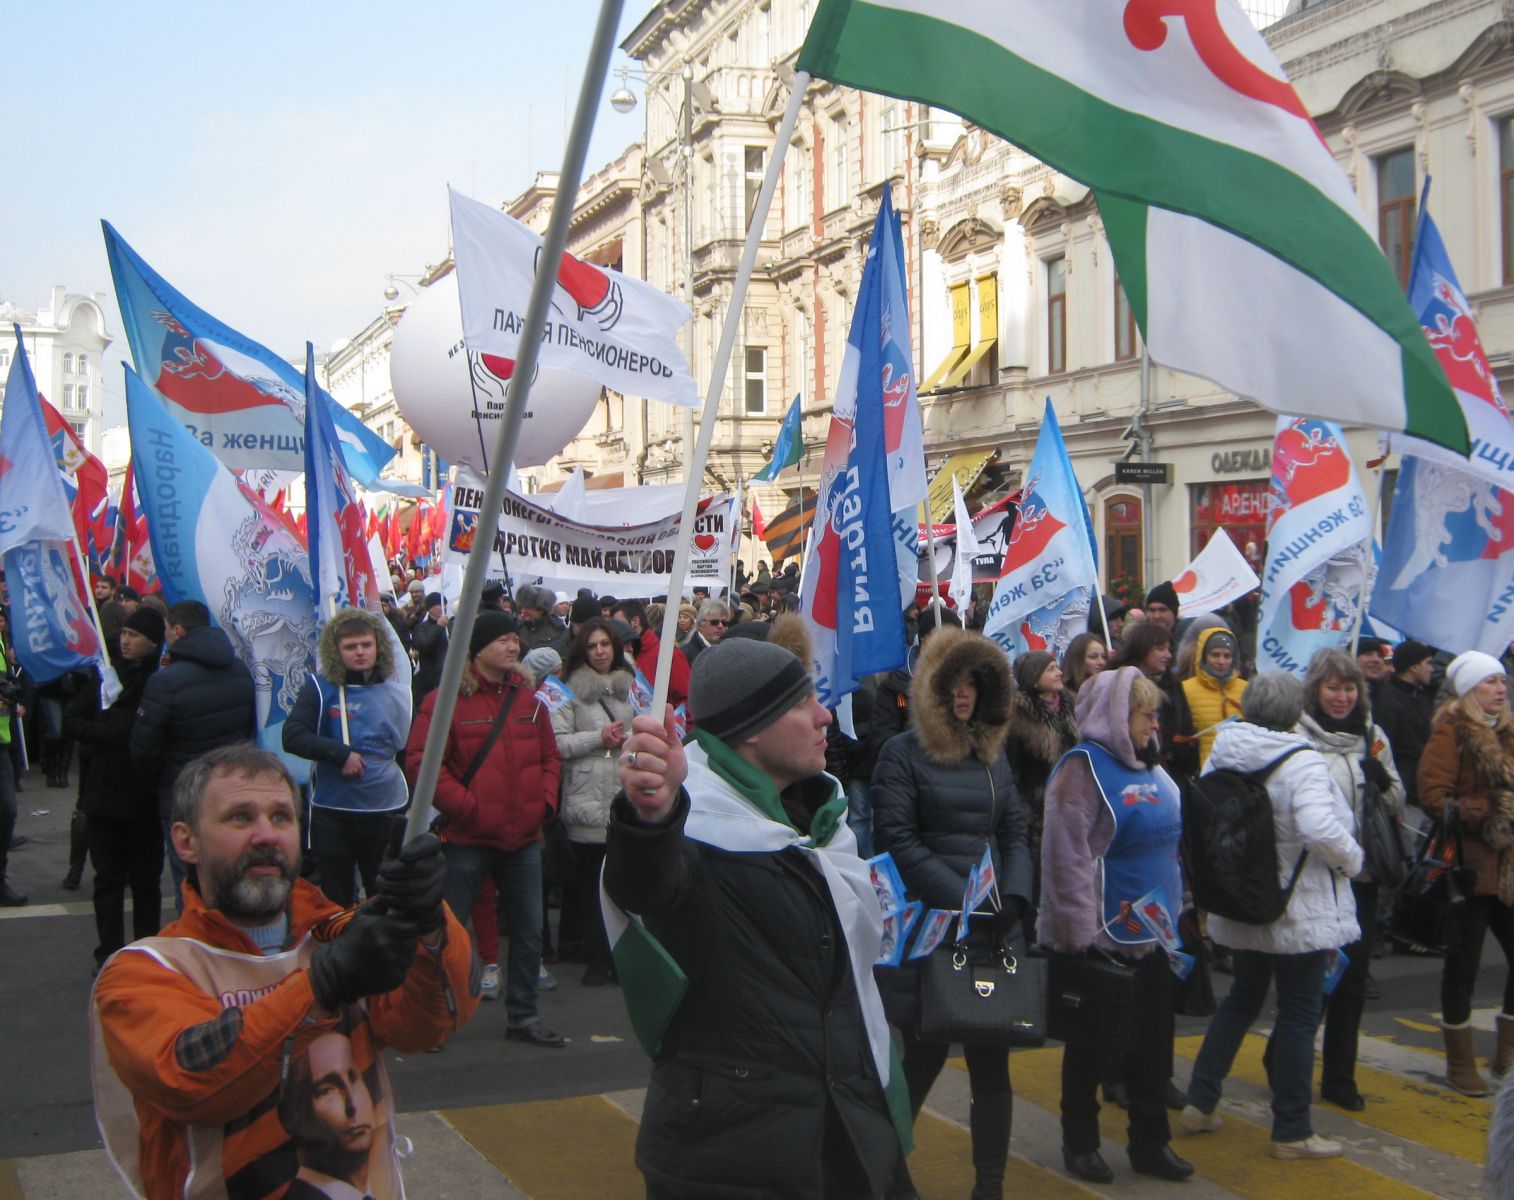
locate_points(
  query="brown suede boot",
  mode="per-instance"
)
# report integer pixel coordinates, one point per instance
(1461, 1063)
(1503, 1057)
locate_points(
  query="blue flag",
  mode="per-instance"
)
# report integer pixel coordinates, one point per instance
(789, 448)
(237, 397)
(850, 590)
(334, 520)
(52, 632)
(1050, 572)
(216, 540)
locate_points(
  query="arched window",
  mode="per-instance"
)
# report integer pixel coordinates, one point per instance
(68, 362)
(1122, 541)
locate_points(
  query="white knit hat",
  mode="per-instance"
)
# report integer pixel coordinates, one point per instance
(1468, 670)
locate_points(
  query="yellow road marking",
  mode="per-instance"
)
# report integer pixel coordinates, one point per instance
(942, 1167)
(10, 1184)
(1422, 1026)
(1429, 1114)
(525, 1141)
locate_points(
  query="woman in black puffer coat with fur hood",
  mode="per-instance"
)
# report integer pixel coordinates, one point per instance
(943, 790)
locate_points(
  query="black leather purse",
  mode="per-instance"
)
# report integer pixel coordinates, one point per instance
(1091, 1000)
(1427, 906)
(983, 996)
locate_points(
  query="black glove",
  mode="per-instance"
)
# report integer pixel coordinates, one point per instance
(412, 884)
(367, 958)
(1374, 772)
(1009, 917)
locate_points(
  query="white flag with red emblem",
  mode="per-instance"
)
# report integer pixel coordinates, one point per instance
(603, 324)
(1218, 574)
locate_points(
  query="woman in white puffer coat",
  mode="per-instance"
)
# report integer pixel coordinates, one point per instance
(1309, 814)
(590, 731)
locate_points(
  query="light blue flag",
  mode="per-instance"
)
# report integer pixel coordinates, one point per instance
(217, 541)
(1050, 571)
(789, 448)
(237, 397)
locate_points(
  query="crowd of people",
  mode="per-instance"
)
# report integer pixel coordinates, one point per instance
(731, 841)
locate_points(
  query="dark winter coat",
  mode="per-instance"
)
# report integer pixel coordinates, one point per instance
(203, 698)
(943, 790)
(1038, 737)
(1469, 765)
(1403, 713)
(429, 641)
(113, 786)
(770, 1034)
(515, 789)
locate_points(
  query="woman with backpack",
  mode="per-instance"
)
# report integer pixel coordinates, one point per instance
(1315, 849)
(1113, 818)
(1466, 777)
(1338, 725)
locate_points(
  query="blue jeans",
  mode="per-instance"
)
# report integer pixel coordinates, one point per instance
(1300, 993)
(517, 875)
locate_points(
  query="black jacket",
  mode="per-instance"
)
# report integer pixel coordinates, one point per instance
(110, 783)
(203, 698)
(765, 1066)
(429, 641)
(1403, 712)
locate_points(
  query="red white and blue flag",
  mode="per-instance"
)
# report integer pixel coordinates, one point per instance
(235, 396)
(1318, 555)
(1050, 570)
(131, 549)
(338, 548)
(849, 594)
(86, 483)
(52, 632)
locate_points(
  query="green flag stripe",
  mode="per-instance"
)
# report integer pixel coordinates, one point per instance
(651, 981)
(1123, 153)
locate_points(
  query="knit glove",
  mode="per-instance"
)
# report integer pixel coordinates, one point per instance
(412, 884)
(368, 958)
(1374, 772)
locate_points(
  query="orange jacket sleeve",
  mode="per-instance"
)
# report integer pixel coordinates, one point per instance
(439, 996)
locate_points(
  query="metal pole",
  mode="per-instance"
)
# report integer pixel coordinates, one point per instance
(687, 153)
(553, 245)
(712, 392)
(1148, 518)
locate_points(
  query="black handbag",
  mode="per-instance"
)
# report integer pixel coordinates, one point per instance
(1382, 850)
(1091, 1000)
(1194, 996)
(1427, 906)
(993, 995)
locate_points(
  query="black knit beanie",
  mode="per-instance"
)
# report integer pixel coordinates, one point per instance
(149, 623)
(488, 626)
(1163, 593)
(740, 687)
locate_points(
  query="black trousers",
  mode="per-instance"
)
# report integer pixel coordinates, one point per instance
(987, 1068)
(1343, 1007)
(1147, 1065)
(1459, 975)
(126, 853)
(344, 842)
(583, 895)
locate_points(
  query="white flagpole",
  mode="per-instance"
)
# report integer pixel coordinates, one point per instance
(695, 468)
(553, 245)
(1361, 607)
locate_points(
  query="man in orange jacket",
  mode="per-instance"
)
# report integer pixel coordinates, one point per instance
(198, 1032)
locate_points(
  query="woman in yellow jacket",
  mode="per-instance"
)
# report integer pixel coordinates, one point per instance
(1214, 689)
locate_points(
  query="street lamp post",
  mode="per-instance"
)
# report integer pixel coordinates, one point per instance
(623, 100)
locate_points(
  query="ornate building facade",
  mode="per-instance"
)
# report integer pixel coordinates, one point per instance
(65, 341)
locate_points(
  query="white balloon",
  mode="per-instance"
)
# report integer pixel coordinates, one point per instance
(429, 369)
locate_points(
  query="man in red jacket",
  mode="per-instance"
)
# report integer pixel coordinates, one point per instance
(634, 614)
(498, 786)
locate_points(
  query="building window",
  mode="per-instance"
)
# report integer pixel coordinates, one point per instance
(79, 427)
(81, 396)
(838, 190)
(1239, 508)
(1395, 210)
(756, 167)
(1124, 324)
(82, 363)
(68, 362)
(68, 395)
(1122, 541)
(1056, 316)
(1506, 193)
(756, 381)
(5, 358)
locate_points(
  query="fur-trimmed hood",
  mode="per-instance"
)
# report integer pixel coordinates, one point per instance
(329, 658)
(1039, 732)
(520, 674)
(588, 685)
(790, 631)
(950, 654)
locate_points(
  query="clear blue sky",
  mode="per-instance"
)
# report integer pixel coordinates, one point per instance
(276, 161)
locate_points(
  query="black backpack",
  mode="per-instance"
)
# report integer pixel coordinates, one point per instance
(1230, 845)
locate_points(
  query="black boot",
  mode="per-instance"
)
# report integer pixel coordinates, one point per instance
(78, 849)
(990, 1120)
(64, 756)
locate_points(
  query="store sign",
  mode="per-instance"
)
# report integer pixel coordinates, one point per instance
(1231, 503)
(1236, 462)
(1142, 472)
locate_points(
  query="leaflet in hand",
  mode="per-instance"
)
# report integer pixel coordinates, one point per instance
(887, 883)
(896, 928)
(981, 882)
(641, 695)
(1151, 911)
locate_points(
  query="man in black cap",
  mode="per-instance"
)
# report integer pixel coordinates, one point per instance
(736, 855)
(1162, 608)
(1403, 708)
(1372, 657)
(498, 786)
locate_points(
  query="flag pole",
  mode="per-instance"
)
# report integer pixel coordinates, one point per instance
(553, 245)
(107, 672)
(695, 469)
(1377, 504)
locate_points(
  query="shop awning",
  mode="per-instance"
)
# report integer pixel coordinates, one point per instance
(974, 357)
(966, 467)
(953, 356)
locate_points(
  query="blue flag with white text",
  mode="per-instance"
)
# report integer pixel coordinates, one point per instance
(237, 397)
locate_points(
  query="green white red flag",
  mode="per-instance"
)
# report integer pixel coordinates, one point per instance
(1239, 241)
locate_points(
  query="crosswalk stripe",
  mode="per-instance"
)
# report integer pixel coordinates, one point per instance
(531, 1144)
(10, 1185)
(1236, 1158)
(942, 1166)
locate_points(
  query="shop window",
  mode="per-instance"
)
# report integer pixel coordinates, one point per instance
(1239, 508)
(1123, 548)
(1395, 210)
(1056, 316)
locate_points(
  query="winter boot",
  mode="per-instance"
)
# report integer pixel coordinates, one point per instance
(63, 754)
(48, 769)
(989, 1120)
(1503, 1057)
(1461, 1063)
